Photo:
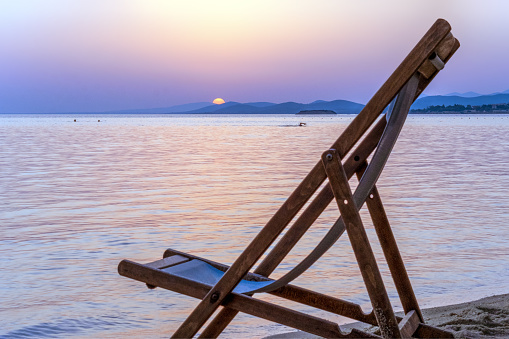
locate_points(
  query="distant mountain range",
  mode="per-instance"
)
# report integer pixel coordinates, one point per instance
(462, 99)
(338, 106)
(232, 107)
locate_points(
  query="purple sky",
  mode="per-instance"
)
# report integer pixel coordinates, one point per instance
(60, 56)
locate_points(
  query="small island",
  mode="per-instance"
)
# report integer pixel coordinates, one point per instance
(317, 111)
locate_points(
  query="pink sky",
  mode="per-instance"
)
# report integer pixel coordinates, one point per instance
(60, 55)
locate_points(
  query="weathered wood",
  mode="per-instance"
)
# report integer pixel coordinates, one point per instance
(360, 244)
(325, 302)
(408, 325)
(288, 317)
(167, 262)
(443, 50)
(390, 249)
(159, 278)
(240, 302)
(219, 323)
(424, 82)
(426, 331)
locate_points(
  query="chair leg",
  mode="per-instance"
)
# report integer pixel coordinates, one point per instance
(390, 249)
(360, 244)
(409, 324)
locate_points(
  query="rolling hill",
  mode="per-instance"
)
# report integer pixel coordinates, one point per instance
(338, 106)
(438, 100)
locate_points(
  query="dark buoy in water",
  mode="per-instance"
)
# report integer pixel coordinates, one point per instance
(302, 124)
(98, 120)
(74, 120)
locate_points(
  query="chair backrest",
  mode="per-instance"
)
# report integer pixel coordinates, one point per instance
(408, 81)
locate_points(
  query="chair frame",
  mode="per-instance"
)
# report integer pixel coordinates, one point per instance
(406, 83)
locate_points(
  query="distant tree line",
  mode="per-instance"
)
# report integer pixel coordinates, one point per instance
(461, 108)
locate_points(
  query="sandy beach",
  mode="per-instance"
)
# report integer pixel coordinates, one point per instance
(483, 318)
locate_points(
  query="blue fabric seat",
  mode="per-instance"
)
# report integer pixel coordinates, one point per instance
(204, 273)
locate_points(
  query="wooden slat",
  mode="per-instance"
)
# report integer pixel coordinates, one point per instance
(240, 302)
(409, 324)
(300, 226)
(426, 331)
(390, 249)
(167, 262)
(288, 317)
(360, 244)
(443, 50)
(424, 82)
(326, 303)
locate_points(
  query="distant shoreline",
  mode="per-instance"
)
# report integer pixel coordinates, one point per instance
(289, 114)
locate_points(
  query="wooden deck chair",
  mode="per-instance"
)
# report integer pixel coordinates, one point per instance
(233, 287)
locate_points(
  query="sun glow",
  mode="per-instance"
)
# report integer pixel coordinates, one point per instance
(218, 101)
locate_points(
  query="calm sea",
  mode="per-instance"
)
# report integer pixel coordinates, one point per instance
(78, 197)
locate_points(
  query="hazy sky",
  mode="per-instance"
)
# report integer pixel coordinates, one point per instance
(98, 55)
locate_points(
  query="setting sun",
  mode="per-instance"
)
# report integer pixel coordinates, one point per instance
(218, 101)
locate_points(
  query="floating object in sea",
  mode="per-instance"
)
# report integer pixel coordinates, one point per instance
(302, 124)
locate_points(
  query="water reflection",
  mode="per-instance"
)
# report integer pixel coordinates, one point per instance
(76, 198)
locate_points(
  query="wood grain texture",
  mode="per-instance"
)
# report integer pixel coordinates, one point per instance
(360, 244)
(390, 249)
(419, 54)
(426, 331)
(320, 203)
(408, 325)
(443, 51)
(424, 82)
